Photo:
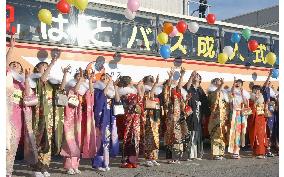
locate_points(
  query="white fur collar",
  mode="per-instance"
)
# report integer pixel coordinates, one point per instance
(127, 90)
(158, 89)
(84, 87)
(18, 77)
(237, 93)
(35, 76)
(272, 93)
(258, 100)
(101, 86)
(183, 93)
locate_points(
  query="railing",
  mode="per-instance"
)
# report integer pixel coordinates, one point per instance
(198, 3)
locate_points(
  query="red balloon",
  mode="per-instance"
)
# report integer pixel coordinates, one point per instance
(63, 7)
(181, 26)
(211, 18)
(252, 45)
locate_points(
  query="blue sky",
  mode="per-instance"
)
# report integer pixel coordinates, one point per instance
(229, 8)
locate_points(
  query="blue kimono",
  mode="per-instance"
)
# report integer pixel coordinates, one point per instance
(106, 130)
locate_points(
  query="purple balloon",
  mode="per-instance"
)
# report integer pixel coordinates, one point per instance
(133, 5)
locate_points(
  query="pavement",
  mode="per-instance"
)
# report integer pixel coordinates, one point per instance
(247, 166)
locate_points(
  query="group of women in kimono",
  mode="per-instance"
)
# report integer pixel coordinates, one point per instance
(77, 118)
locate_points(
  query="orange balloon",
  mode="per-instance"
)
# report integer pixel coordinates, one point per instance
(168, 28)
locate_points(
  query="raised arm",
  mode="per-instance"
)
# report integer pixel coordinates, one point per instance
(10, 51)
(117, 97)
(78, 84)
(27, 84)
(65, 71)
(140, 88)
(154, 87)
(268, 78)
(233, 88)
(171, 73)
(91, 79)
(220, 86)
(182, 72)
(108, 84)
(54, 57)
(189, 82)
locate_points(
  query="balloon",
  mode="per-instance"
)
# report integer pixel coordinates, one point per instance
(270, 58)
(168, 28)
(193, 27)
(254, 76)
(275, 73)
(45, 16)
(181, 26)
(63, 7)
(252, 45)
(165, 51)
(174, 32)
(71, 2)
(211, 18)
(163, 38)
(129, 15)
(235, 38)
(133, 5)
(222, 58)
(246, 33)
(81, 4)
(228, 50)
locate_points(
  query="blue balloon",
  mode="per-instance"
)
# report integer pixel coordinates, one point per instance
(275, 73)
(165, 51)
(235, 38)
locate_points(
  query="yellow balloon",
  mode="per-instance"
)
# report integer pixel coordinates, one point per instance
(45, 16)
(81, 4)
(163, 38)
(222, 58)
(71, 2)
(270, 58)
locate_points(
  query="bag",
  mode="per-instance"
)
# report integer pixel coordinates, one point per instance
(151, 104)
(61, 100)
(246, 111)
(118, 110)
(73, 100)
(31, 100)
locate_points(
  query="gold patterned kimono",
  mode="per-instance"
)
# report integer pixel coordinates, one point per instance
(217, 126)
(47, 123)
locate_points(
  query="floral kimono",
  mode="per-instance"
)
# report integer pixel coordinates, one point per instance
(133, 104)
(217, 127)
(173, 104)
(151, 137)
(238, 122)
(199, 103)
(47, 120)
(19, 117)
(257, 125)
(107, 138)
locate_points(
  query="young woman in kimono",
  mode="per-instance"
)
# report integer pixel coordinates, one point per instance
(269, 96)
(105, 96)
(19, 115)
(238, 121)
(47, 117)
(218, 121)
(174, 97)
(73, 143)
(151, 137)
(132, 99)
(257, 123)
(199, 103)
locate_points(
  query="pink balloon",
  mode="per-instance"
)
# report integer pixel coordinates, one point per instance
(174, 32)
(133, 5)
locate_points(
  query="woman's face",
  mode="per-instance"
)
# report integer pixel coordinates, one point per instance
(196, 79)
(42, 68)
(218, 82)
(104, 79)
(256, 92)
(15, 66)
(238, 85)
(77, 77)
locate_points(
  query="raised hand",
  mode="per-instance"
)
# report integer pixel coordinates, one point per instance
(27, 73)
(222, 81)
(157, 79)
(55, 54)
(66, 69)
(12, 41)
(171, 73)
(182, 71)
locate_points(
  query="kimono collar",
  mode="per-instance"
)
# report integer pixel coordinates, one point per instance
(101, 86)
(127, 90)
(18, 77)
(258, 100)
(84, 87)
(237, 93)
(157, 91)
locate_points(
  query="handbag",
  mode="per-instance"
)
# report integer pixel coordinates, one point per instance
(31, 100)
(118, 110)
(152, 104)
(246, 111)
(61, 100)
(73, 100)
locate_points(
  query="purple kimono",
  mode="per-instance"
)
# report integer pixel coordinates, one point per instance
(107, 138)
